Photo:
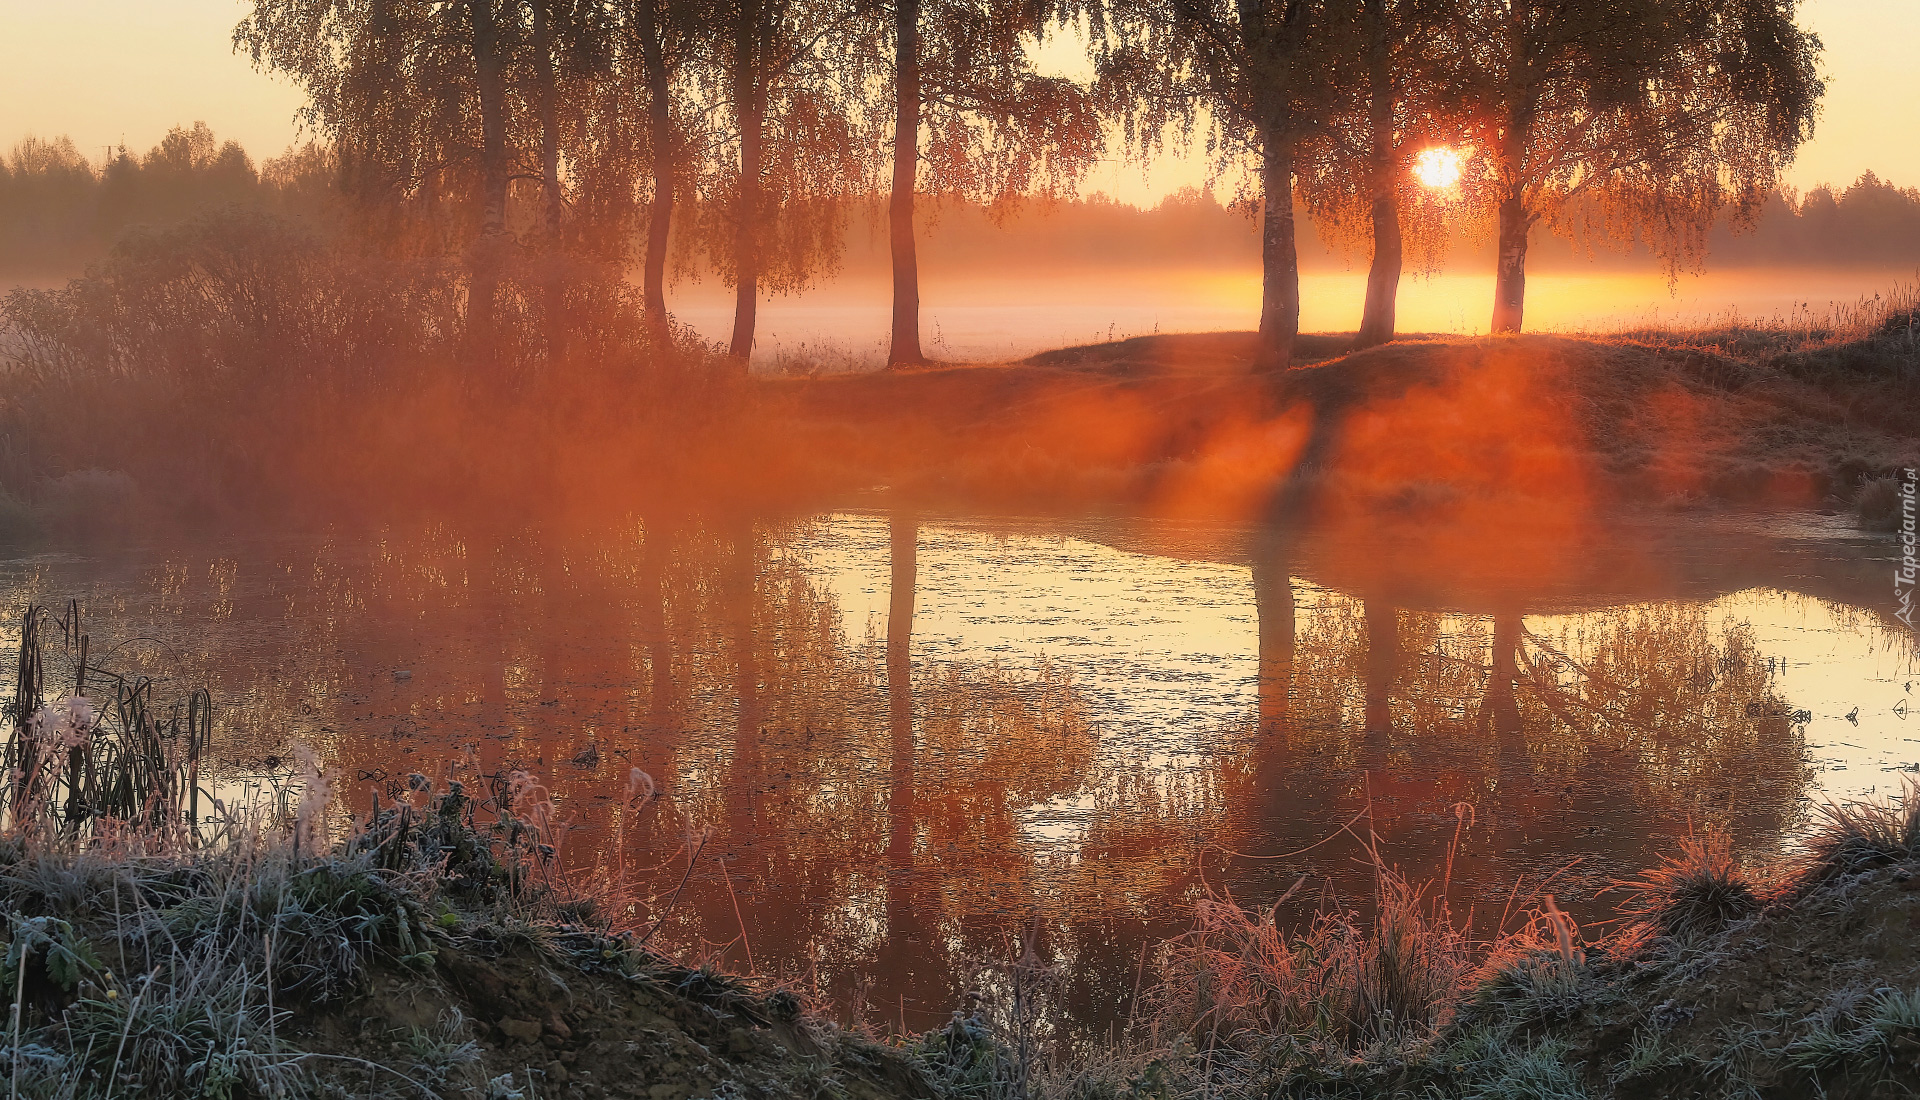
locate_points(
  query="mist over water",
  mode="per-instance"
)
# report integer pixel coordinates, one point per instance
(1002, 316)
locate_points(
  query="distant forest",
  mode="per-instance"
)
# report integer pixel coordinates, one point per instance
(60, 211)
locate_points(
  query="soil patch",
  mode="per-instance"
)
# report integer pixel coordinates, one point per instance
(577, 1017)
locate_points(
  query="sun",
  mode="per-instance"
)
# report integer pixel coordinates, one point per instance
(1437, 167)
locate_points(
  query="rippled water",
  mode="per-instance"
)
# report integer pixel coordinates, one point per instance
(909, 737)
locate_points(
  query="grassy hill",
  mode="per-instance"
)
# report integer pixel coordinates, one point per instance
(1443, 426)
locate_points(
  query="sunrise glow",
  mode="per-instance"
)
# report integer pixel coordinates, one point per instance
(1263, 546)
(1437, 167)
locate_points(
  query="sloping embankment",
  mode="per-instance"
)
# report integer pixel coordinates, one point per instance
(575, 1016)
(1178, 425)
(1818, 995)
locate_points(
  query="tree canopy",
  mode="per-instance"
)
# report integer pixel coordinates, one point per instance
(1257, 78)
(1665, 112)
(748, 129)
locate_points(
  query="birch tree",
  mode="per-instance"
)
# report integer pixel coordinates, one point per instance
(791, 79)
(664, 41)
(962, 80)
(1358, 181)
(1258, 78)
(1663, 114)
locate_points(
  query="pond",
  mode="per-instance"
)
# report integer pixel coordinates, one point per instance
(900, 742)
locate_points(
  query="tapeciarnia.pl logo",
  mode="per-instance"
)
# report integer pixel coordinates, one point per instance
(1904, 574)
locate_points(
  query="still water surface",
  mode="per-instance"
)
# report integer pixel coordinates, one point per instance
(909, 736)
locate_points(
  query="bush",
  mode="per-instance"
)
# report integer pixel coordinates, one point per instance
(86, 504)
(239, 362)
(19, 526)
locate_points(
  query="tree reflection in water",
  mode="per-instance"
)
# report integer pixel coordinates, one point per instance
(887, 818)
(1597, 743)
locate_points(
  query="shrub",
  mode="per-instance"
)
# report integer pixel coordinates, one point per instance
(84, 504)
(19, 525)
(237, 361)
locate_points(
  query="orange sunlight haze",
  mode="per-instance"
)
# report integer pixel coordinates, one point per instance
(1437, 167)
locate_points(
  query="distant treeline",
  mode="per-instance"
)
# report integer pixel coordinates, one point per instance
(1871, 223)
(59, 211)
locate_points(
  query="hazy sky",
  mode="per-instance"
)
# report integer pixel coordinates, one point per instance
(112, 71)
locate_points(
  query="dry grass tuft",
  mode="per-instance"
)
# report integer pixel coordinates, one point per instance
(1860, 836)
(1697, 893)
(1876, 503)
(1239, 981)
(1391, 1008)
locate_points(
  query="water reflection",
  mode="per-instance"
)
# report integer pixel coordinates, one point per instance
(1500, 713)
(1274, 605)
(908, 736)
(904, 953)
(1589, 742)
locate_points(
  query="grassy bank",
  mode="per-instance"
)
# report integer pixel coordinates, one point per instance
(159, 942)
(385, 966)
(238, 370)
(253, 971)
(1723, 983)
(1439, 427)
(430, 943)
